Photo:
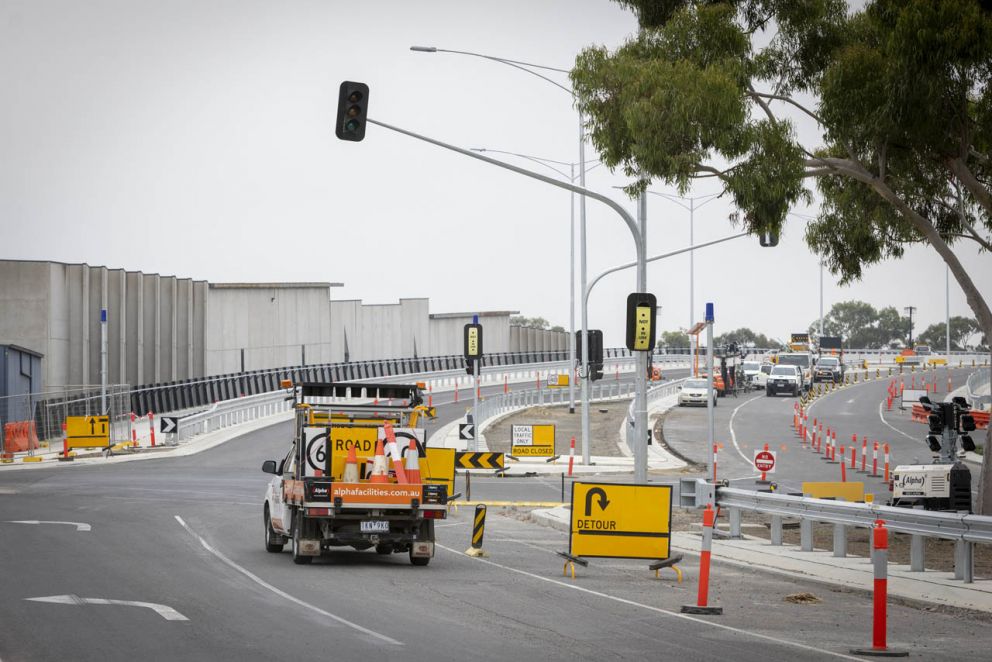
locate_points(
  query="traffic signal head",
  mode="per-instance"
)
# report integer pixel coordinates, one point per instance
(967, 443)
(353, 100)
(960, 401)
(933, 441)
(966, 423)
(936, 422)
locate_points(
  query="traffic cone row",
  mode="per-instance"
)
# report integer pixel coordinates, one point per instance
(407, 470)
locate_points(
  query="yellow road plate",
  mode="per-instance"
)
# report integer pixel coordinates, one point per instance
(87, 431)
(621, 521)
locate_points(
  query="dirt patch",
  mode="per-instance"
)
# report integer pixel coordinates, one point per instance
(604, 427)
(802, 599)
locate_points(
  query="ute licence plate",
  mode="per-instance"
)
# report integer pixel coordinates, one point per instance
(377, 526)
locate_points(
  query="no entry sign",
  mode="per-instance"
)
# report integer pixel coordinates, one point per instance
(764, 461)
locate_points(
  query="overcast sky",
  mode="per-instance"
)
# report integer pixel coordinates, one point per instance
(196, 138)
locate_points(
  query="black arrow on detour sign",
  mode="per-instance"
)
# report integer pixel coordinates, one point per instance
(603, 501)
(92, 426)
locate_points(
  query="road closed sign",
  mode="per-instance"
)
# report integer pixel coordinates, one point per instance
(764, 461)
(532, 440)
(621, 521)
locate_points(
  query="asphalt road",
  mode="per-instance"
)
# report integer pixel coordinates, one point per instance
(746, 423)
(186, 533)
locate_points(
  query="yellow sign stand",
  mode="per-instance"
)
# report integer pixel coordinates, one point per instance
(87, 431)
(438, 468)
(612, 520)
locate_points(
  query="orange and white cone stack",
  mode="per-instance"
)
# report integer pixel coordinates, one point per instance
(351, 466)
(379, 470)
(412, 473)
(395, 452)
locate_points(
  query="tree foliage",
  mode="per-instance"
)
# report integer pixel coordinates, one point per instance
(530, 322)
(964, 334)
(899, 91)
(862, 326)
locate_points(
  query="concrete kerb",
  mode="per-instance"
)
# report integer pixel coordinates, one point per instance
(658, 456)
(820, 566)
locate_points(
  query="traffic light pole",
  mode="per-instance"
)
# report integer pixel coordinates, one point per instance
(475, 403)
(640, 422)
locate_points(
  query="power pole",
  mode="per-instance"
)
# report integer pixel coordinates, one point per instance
(910, 310)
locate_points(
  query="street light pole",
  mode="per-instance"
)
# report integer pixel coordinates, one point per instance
(821, 299)
(529, 67)
(910, 309)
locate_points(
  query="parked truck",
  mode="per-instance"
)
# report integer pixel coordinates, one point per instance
(310, 504)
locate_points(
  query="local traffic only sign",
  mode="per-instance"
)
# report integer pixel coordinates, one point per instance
(612, 520)
(532, 440)
(764, 461)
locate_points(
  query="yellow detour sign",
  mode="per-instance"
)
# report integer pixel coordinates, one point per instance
(87, 431)
(532, 440)
(621, 521)
(438, 468)
(842, 491)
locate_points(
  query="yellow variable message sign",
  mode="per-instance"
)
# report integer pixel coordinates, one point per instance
(532, 440)
(87, 431)
(621, 521)
(852, 491)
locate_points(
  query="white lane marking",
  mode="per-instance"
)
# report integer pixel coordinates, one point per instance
(733, 435)
(264, 584)
(166, 612)
(80, 526)
(659, 610)
(882, 418)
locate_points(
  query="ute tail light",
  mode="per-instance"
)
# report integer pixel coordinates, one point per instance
(435, 514)
(318, 512)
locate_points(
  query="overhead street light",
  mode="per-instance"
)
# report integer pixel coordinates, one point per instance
(529, 68)
(571, 177)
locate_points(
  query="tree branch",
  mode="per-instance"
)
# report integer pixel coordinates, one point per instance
(780, 97)
(978, 155)
(970, 182)
(761, 102)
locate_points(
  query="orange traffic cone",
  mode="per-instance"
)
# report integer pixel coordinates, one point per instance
(394, 451)
(413, 464)
(351, 466)
(379, 470)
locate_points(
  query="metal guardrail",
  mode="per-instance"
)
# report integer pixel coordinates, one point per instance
(234, 412)
(654, 394)
(963, 528)
(978, 380)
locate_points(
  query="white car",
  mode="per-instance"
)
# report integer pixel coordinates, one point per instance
(785, 378)
(693, 392)
(751, 368)
(760, 379)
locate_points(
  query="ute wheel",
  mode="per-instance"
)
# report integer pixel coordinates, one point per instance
(768, 392)
(419, 560)
(298, 558)
(383, 549)
(273, 541)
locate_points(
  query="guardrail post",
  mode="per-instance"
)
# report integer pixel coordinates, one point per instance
(840, 541)
(806, 535)
(776, 529)
(958, 561)
(965, 558)
(735, 522)
(916, 553)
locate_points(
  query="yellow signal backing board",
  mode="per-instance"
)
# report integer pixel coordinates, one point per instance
(87, 431)
(438, 468)
(853, 491)
(621, 521)
(532, 440)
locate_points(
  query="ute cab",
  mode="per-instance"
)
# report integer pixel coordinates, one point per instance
(324, 492)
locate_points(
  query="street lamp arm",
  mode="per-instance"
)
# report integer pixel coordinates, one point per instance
(676, 199)
(612, 204)
(659, 257)
(543, 162)
(523, 66)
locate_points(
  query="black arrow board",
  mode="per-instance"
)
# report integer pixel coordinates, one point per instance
(466, 431)
(603, 501)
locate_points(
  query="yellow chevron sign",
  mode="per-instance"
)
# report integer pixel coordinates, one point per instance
(479, 460)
